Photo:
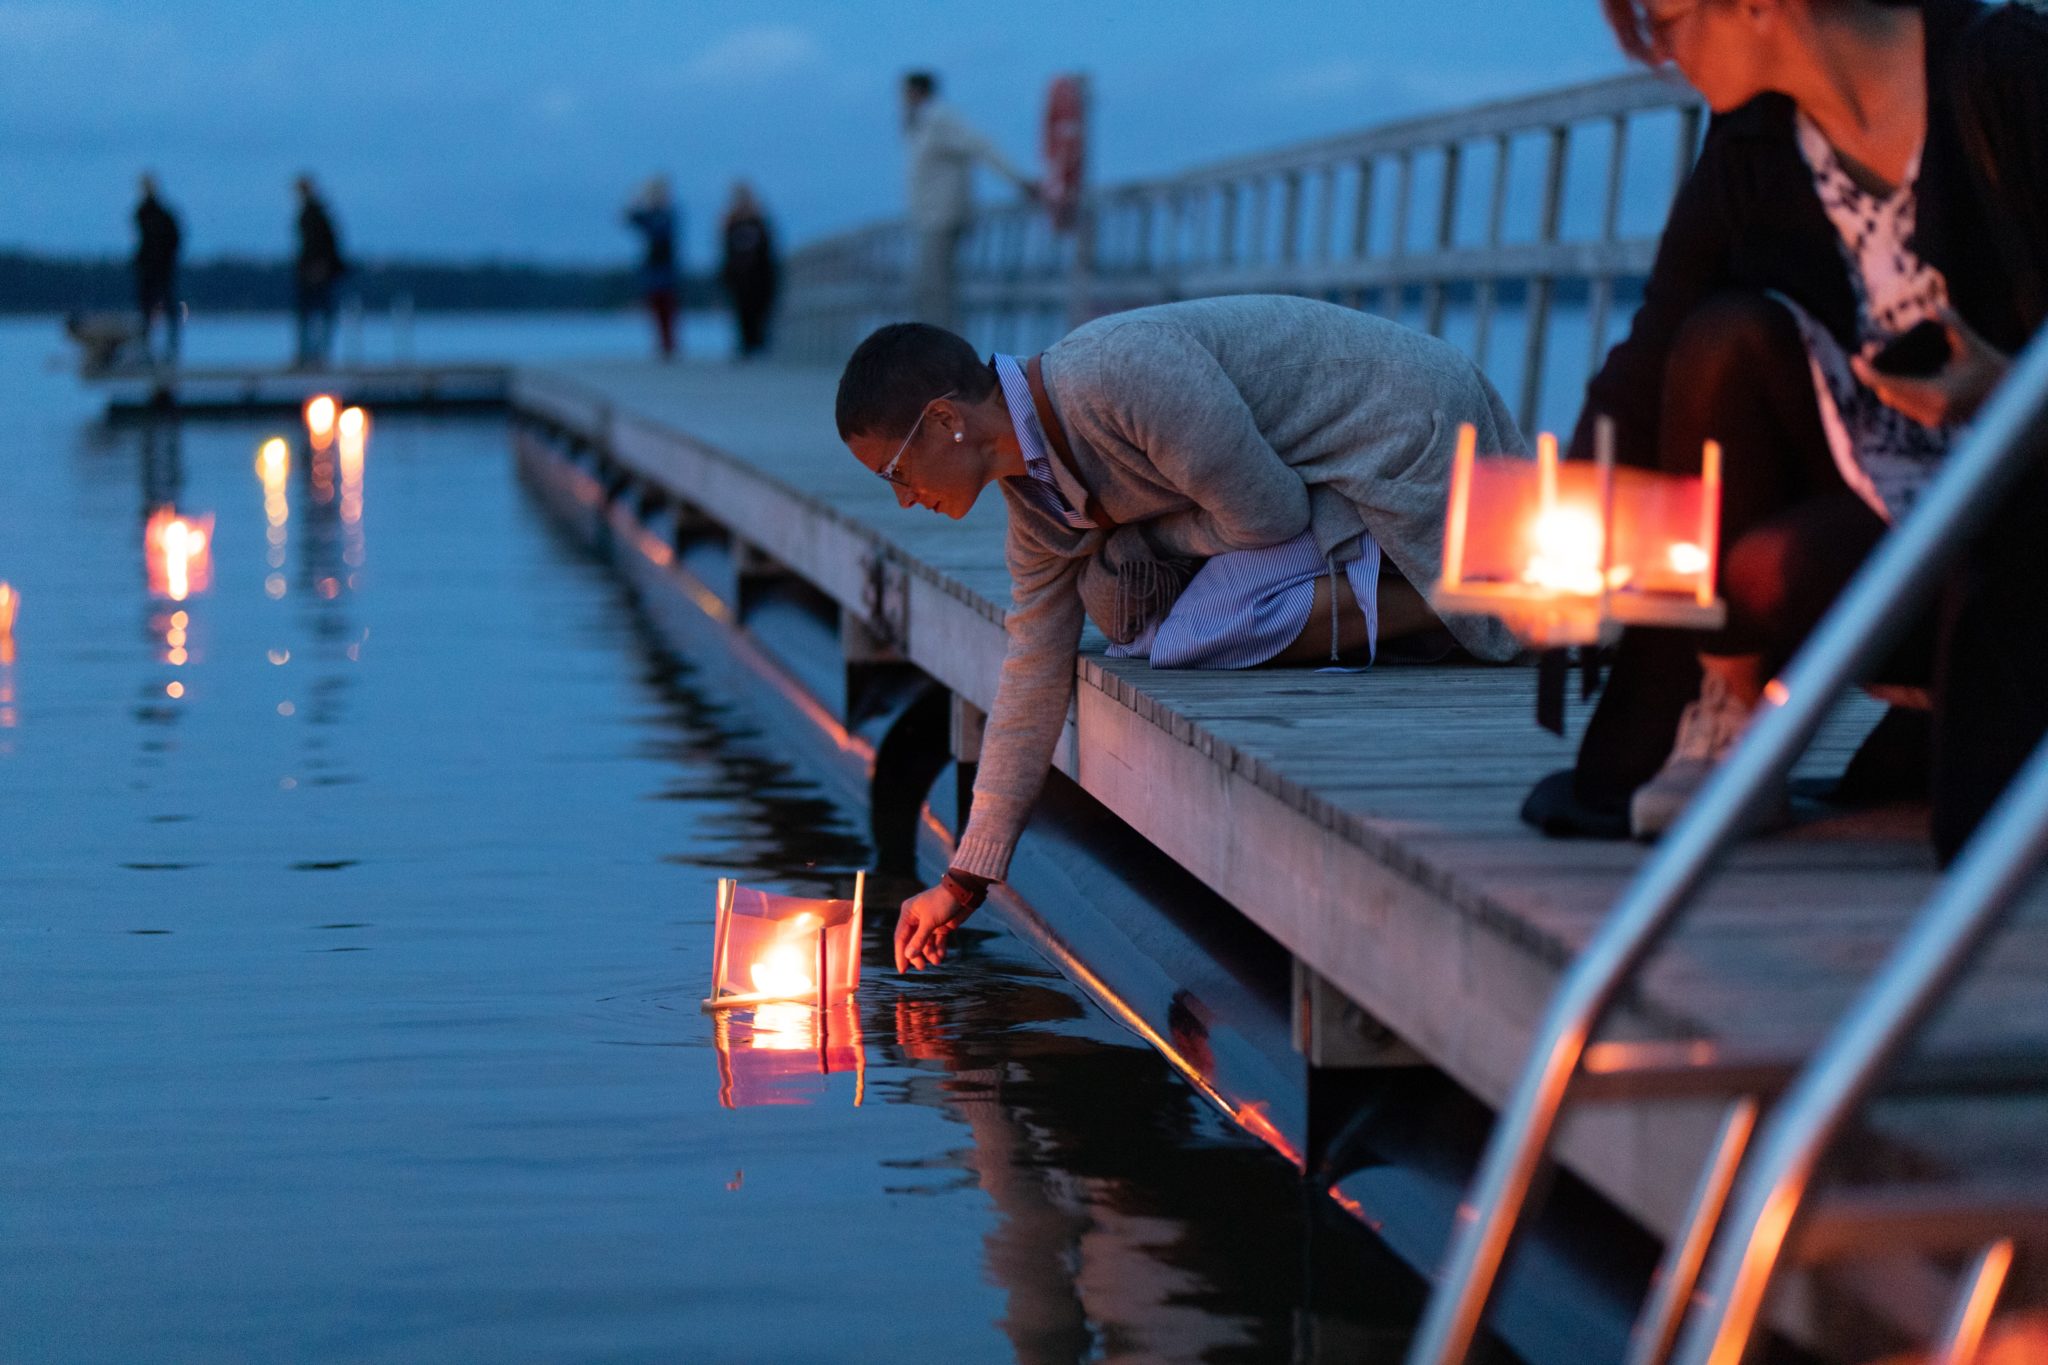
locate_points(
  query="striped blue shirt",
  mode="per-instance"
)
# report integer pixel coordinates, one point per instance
(1042, 486)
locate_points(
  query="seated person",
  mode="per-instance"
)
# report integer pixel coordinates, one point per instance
(1871, 169)
(1277, 439)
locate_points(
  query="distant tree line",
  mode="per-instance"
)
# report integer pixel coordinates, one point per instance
(31, 283)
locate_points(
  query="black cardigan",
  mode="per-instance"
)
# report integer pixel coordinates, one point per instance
(1748, 219)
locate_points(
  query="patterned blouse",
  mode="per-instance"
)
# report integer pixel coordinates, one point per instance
(1884, 455)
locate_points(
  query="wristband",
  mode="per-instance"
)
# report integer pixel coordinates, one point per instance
(969, 898)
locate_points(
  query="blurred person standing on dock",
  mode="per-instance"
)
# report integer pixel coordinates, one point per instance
(943, 151)
(157, 241)
(749, 270)
(1218, 484)
(1861, 246)
(316, 276)
(653, 215)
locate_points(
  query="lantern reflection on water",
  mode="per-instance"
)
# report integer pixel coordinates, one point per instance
(783, 1054)
(10, 606)
(784, 948)
(179, 552)
(1569, 553)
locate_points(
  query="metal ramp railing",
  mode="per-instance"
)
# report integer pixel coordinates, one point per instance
(1753, 1200)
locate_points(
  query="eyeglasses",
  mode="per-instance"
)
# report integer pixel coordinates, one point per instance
(888, 471)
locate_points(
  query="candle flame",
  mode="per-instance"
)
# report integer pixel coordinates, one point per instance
(1687, 558)
(1567, 557)
(785, 969)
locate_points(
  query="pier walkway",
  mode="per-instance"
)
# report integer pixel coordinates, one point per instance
(1366, 822)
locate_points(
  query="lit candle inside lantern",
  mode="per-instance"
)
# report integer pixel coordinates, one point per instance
(768, 947)
(179, 550)
(1568, 553)
(320, 413)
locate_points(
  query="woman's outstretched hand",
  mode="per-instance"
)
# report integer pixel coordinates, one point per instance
(923, 926)
(1954, 394)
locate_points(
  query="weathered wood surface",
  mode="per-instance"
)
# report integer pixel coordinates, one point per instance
(1367, 821)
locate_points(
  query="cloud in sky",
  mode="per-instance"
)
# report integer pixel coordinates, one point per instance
(759, 55)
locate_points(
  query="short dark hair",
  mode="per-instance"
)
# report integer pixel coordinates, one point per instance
(900, 368)
(923, 82)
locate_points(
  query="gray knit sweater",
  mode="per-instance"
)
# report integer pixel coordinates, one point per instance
(1222, 424)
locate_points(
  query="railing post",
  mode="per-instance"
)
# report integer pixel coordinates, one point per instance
(1446, 229)
(1496, 212)
(1326, 214)
(1290, 217)
(1610, 224)
(1537, 309)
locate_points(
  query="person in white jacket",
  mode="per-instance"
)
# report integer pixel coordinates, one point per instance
(943, 151)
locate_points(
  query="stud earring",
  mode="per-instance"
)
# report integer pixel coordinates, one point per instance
(958, 437)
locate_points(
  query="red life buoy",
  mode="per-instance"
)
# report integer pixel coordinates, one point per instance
(1066, 148)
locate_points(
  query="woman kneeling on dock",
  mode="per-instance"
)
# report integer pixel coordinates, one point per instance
(1215, 483)
(1862, 244)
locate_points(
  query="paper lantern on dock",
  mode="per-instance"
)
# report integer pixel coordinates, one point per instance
(769, 948)
(1569, 553)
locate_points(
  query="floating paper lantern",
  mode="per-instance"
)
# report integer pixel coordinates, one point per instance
(784, 948)
(10, 607)
(320, 412)
(1569, 553)
(179, 552)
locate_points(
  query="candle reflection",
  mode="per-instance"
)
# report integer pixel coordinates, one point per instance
(179, 552)
(10, 607)
(784, 1052)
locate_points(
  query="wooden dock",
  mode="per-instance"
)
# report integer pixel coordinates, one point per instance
(1366, 822)
(247, 390)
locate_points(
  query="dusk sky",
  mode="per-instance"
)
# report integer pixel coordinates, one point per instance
(517, 128)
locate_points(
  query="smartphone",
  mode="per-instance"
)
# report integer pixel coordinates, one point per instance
(1919, 351)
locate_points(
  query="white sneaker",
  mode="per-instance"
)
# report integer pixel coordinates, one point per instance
(1706, 732)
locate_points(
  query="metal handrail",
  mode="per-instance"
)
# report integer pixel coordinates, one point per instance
(1874, 611)
(1995, 868)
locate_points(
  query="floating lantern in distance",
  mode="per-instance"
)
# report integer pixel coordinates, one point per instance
(354, 429)
(179, 552)
(10, 607)
(1569, 553)
(320, 413)
(784, 948)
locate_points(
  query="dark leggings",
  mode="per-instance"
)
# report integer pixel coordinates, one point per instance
(1792, 535)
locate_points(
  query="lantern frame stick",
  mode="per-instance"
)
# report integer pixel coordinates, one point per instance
(1546, 475)
(1461, 504)
(1710, 520)
(1603, 463)
(723, 935)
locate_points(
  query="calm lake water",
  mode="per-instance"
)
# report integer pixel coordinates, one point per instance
(354, 915)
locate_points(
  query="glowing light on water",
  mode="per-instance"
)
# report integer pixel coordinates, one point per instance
(179, 550)
(320, 413)
(10, 607)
